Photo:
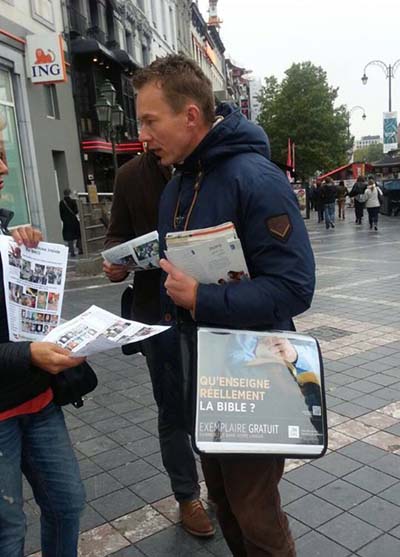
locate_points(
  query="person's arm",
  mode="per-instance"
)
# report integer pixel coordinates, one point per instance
(119, 229)
(281, 263)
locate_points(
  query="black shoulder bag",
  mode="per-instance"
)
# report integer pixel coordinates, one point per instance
(71, 385)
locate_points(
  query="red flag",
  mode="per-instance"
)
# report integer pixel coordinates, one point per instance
(289, 159)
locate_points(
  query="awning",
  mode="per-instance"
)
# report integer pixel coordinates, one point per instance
(91, 47)
(99, 145)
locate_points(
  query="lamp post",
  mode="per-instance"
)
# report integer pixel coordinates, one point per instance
(110, 115)
(353, 109)
(388, 70)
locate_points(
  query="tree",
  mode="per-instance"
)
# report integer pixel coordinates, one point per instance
(302, 107)
(371, 153)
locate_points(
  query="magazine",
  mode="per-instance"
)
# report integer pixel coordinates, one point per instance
(210, 255)
(34, 281)
(259, 392)
(97, 330)
(139, 254)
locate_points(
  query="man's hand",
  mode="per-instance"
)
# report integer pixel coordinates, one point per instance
(27, 235)
(114, 272)
(180, 287)
(52, 358)
(283, 348)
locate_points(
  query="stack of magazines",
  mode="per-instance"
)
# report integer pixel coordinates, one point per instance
(210, 255)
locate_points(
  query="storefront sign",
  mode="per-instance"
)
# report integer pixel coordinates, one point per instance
(389, 131)
(45, 58)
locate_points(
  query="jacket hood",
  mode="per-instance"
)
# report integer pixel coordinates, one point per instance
(232, 135)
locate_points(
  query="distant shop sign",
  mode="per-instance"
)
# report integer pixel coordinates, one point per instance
(45, 58)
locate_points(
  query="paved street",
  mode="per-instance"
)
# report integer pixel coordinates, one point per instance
(347, 503)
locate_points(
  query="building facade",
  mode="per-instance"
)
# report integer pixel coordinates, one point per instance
(367, 140)
(37, 121)
(208, 51)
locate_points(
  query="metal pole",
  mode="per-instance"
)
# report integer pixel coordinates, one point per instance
(114, 153)
(390, 88)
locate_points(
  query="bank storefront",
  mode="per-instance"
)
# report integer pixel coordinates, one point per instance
(14, 195)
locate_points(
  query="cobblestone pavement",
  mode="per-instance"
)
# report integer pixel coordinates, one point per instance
(347, 503)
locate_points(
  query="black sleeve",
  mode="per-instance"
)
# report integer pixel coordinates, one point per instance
(15, 358)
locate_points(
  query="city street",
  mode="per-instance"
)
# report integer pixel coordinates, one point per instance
(347, 503)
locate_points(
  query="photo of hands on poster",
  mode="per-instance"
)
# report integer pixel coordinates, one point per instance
(259, 392)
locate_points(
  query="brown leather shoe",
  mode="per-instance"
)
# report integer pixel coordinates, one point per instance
(195, 519)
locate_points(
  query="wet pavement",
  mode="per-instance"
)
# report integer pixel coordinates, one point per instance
(347, 503)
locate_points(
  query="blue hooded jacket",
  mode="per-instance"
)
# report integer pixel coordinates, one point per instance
(238, 183)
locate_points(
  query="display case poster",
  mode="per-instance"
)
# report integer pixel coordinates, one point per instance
(259, 392)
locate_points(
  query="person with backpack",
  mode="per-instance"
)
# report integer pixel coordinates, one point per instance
(342, 193)
(373, 195)
(358, 193)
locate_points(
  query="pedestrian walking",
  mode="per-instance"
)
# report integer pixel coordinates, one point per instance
(342, 193)
(373, 195)
(71, 229)
(134, 212)
(34, 441)
(224, 173)
(328, 195)
(358, 193)
(318, 201)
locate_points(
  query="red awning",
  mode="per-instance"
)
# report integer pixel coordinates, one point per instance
(102, 146)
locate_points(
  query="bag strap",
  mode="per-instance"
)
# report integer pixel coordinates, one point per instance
(69, 208)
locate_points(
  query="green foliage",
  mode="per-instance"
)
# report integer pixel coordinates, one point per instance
(302, 107)
(371, 153)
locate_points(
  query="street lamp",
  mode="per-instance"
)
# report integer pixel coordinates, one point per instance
(388, 70)
(353, 109)
(110, 115)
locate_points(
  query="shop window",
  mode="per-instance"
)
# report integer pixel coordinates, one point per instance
(13, 196)
(50, 92)
(43, 11)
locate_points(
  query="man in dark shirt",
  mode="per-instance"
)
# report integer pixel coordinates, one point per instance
(138, 188)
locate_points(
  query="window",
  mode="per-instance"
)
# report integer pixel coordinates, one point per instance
(43, 11)
(50, 92)
(154, 12)
(129, 42)
(13, 196)
(141, 5)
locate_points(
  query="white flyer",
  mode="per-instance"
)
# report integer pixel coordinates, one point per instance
(97, 330)
(139, 254)
(34, 280)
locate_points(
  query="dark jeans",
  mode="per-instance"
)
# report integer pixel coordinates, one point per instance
(245, 491)
(373, 215)
(329, 214)
(38, 446)
(176, 449)
(359, 210)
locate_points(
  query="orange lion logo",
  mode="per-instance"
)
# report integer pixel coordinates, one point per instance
(43, 58)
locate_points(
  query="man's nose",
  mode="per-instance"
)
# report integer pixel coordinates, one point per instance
(144, 136)
(3, 167)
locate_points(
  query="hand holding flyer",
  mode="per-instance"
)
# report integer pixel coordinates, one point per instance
(139, 254)
(34, 281)
(97, 330)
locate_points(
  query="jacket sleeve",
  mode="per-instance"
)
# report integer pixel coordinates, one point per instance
(120, 228)
(15, 358)
(282, 269)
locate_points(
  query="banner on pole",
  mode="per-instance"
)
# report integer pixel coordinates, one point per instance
(389, 131)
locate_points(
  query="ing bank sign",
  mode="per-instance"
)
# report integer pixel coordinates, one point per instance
(45, 58)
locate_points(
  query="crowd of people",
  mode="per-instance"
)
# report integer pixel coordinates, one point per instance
(365, 193)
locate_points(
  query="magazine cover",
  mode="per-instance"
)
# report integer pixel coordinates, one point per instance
(259, 392)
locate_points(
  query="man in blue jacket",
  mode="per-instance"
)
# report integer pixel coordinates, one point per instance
(224, 173)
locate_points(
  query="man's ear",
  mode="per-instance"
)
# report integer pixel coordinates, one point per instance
(193, 116)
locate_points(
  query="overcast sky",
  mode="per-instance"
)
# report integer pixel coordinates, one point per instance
(267, 36)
